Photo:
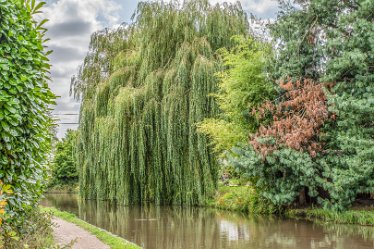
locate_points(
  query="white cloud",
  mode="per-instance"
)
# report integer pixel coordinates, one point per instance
(71, 23)
(260, 8)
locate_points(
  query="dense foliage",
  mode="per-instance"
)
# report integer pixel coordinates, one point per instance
(38, 235)
(24, 107)
(64, 169)
(243, 86)
(349, 161)
(144, 89)
(320, 41)
(301, 116)
(297, 119)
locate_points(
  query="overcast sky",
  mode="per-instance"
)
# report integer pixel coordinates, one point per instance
(71, 23)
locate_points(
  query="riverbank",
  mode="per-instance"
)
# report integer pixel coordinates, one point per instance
(170, 227)
(113, 241)
(245, 199)
(242, 199)
(353, 217)
(64, 188)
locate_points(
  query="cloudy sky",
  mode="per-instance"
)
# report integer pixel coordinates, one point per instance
(71, 22)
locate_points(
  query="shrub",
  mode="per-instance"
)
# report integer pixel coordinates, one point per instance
(280, 176)
(24, 106)
(38, 234)
(245, 199)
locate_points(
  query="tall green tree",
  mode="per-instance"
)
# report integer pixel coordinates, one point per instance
(24, 110)
(64, 163)
(334, 41)
(144, 89)
(349, 162)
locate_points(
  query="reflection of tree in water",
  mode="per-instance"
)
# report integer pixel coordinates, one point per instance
(194, 228)
(232, 231)
(66, 202)
(278, 233)
(351, 236)
(156, 227)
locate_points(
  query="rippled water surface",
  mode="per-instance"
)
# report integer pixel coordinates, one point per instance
(198, 228)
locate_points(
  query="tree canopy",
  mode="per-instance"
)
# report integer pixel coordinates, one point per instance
(144, 88)
(64, 168)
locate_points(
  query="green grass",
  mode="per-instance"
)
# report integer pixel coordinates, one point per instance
(243, 199)
(358, 217)
(106, 237)
(233, 198)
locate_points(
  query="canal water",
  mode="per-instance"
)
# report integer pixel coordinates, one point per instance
(199, 228)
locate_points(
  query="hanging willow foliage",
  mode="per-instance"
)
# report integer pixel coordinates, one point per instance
(144, 87)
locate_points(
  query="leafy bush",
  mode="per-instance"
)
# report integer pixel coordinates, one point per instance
(24, 106)
(332, 42)
(38, 234)
(242, 87)
(280, 176)
(244, 199)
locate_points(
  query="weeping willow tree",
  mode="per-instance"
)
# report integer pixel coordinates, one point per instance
(144, 87)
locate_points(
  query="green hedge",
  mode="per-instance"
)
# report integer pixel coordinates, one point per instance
(24, 109)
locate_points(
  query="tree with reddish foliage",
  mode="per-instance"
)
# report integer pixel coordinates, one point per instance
(297, 119)
(280, 158)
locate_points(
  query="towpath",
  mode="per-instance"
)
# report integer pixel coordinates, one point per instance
(65, 232)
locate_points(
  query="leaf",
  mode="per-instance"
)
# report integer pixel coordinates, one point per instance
(11, 109)
(42, 23)
(5, 126)
(38, 7)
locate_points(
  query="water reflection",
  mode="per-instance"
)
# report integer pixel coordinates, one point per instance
(196, 228)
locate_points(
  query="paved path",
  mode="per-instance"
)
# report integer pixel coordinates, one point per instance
(64, 232)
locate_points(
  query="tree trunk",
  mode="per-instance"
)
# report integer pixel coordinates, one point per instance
(302, 197)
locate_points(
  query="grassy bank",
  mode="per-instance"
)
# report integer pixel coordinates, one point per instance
(245, 199)
(106, 237)
(357, 217)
